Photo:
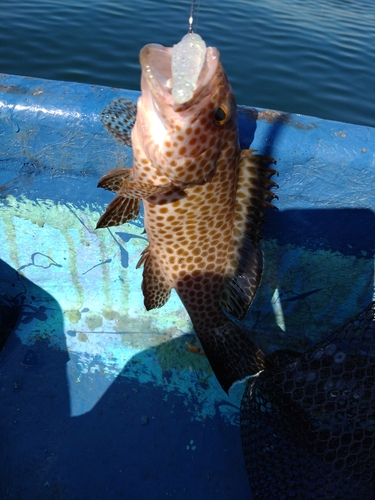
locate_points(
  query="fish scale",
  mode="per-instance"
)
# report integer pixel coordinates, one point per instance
(204, 200)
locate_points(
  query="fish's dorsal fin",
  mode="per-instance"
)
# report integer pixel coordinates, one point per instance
(118, 117)
(245, 262)
(156, 289)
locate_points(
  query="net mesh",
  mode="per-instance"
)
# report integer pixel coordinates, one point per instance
(308, 423)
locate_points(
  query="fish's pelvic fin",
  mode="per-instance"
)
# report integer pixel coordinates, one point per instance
(231, 353)
(245, 262)
(156, 289)
(118, 117)
(121, 181)
(119, 211)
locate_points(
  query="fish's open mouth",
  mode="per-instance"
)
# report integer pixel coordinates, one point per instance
(156, 63)
(177, 110)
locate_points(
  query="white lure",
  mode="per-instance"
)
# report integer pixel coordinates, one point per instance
(188, 57)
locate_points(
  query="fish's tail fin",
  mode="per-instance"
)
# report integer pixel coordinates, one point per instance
(232, 355)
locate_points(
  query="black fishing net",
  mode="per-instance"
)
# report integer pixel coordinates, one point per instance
(308, 423)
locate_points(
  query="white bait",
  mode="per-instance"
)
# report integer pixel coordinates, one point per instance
(188, 57)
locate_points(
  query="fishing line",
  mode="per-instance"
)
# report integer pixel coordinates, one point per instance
(191, 17)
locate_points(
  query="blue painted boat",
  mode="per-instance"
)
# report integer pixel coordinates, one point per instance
(101, 399)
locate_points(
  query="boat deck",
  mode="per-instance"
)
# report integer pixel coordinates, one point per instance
(101, 399)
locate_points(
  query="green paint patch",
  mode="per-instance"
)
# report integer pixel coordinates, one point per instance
(109, 314)
(73, 316)
(142, 341)
(93, 321)
(83, 337)
(127, 324)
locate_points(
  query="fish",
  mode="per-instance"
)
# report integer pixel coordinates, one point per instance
(308, 421)
(204, 198)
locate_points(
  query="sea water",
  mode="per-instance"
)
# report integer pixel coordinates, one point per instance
(315, 57)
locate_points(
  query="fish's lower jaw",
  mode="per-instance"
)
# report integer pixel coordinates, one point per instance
(231, 353)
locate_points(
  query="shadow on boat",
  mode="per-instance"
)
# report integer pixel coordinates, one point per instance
(139, 440)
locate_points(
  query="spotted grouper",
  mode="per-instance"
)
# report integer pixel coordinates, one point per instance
(204, 198)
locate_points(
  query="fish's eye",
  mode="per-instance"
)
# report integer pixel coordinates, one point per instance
(221, 115)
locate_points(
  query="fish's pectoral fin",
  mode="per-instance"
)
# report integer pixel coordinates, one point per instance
(118, 117)
(121, 181)
(112, 180)
(156, 289)
(119, 211)
(245, 261)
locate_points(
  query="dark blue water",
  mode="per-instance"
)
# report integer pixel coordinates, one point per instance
(314, 57)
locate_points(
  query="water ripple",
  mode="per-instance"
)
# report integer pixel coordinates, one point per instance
(309, 56)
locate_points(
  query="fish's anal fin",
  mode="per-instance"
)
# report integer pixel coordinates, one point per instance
(156, 289)
(232, 355)
(245, 262)
(119, 211)
(120, 181)
(118, 117)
